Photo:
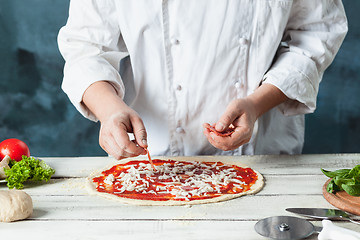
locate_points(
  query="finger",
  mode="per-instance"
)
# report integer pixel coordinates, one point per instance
(242, 134)
(206, 125)
(211, 138)
(139, 131)
(232, 142)
(123, 142)
(218, 142)
(206, 133)
(231, 113)
(143, 149)
(113, 150)
(214, 139)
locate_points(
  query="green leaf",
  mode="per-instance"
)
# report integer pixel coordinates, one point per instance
(352, 189)
(17, 175)
(337, 173)
(28, 168)
(344, 180)
(332, 187)
(355, 172)
(339, 181)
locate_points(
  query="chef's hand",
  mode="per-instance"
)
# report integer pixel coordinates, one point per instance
(114, 139)
(242, 114)
(117, 120)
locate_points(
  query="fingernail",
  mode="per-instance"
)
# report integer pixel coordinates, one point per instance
(144, 142)
(219, 127)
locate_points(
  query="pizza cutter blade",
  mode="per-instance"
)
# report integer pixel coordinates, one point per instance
(284, 227)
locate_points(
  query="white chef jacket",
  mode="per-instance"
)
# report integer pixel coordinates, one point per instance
(179, 63)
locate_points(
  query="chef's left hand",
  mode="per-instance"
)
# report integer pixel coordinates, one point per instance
(241, 113)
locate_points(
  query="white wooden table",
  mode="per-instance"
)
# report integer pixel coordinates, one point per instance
(64, 210)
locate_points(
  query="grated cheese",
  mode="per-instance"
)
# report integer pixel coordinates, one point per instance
(109, 179)
(183, 181)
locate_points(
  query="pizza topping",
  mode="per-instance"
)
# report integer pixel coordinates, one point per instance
(174, 180)
(109, 179)
(148, 154)
(224, 133)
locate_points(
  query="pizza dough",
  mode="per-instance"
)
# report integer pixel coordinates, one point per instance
(254, 188)
(14, 205)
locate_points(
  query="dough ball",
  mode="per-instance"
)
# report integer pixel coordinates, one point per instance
(14, 205)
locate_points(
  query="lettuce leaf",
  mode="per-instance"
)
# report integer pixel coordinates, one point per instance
(28, 168)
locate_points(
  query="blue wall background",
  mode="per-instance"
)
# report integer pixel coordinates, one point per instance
(34, 108)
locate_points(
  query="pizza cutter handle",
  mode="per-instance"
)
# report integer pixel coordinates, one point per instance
(333, 232)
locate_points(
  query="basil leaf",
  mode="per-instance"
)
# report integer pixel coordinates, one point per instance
(330, 187)
(332, 174)
(352, 189)
(355, 172)
(339, 181)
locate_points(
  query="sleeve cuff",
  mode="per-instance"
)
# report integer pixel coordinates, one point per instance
(297, 77)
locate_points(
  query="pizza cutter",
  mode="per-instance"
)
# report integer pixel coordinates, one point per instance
(286, 227)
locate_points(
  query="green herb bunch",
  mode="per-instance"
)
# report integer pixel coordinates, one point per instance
(347, 180)
(28, 168)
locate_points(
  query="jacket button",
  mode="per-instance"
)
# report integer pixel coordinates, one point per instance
(178, 87)
(239, 84)
(243, 41)
(174, 41)
(179, 130)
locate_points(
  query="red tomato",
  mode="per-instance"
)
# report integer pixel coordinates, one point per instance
(14, 148)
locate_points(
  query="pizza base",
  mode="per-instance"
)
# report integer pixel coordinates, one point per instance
(256, 187)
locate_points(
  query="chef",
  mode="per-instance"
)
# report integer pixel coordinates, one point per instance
(161, 69)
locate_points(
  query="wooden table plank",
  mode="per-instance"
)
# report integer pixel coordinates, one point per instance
(174, 230)
(64, 210)
(93, 207)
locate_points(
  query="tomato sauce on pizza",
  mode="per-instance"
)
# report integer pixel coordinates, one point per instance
(174, 180)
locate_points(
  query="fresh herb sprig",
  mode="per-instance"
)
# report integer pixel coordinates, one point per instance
(347, 180)
(28, 168)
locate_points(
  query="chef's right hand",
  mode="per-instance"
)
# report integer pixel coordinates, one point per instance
(117, 120)
(114, 138)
